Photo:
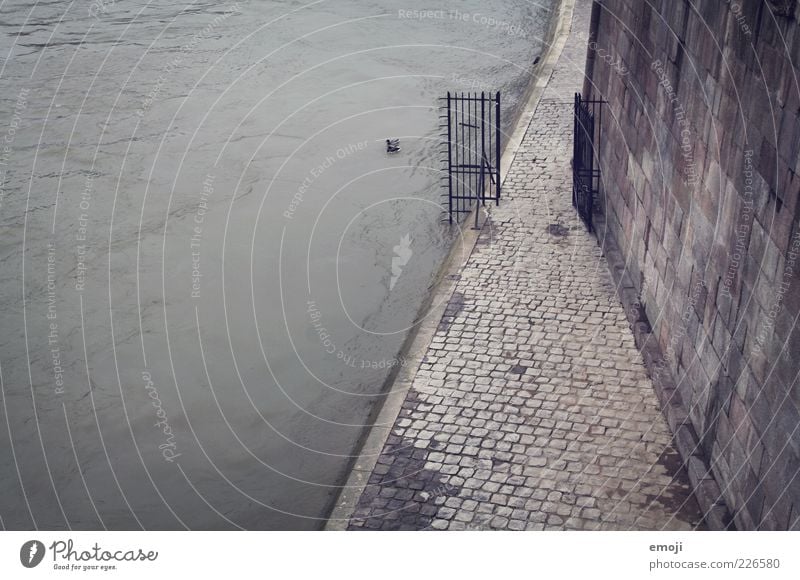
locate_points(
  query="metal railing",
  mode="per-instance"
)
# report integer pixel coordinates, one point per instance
(471, 128)
(585, 152)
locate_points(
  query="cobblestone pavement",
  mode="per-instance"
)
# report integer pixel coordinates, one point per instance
(532, 409)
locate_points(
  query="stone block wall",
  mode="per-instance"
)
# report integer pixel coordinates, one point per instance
(700, 154)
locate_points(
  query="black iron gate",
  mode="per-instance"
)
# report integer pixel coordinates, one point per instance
(585, 173)
(471, 128)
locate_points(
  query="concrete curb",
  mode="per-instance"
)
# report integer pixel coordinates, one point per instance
(416, 344)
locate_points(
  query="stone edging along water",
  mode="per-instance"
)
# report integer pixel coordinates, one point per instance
(416, 344)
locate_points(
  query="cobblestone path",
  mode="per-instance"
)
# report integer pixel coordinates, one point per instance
(532, 408)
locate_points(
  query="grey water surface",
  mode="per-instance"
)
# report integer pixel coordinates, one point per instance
(208, 262)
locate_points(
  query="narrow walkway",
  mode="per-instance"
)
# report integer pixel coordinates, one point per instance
(532, 408)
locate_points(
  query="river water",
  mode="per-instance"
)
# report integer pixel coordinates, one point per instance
(208, 262)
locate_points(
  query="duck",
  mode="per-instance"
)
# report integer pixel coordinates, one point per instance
(392, 145)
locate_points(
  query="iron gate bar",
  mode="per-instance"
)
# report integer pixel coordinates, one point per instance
(473, 179)
(497, 151)
(460, 181)
(449, 156)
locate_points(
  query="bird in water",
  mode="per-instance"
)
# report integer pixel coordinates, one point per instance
(392, 145)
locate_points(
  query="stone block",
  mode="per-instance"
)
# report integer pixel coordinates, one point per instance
(686, 441)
